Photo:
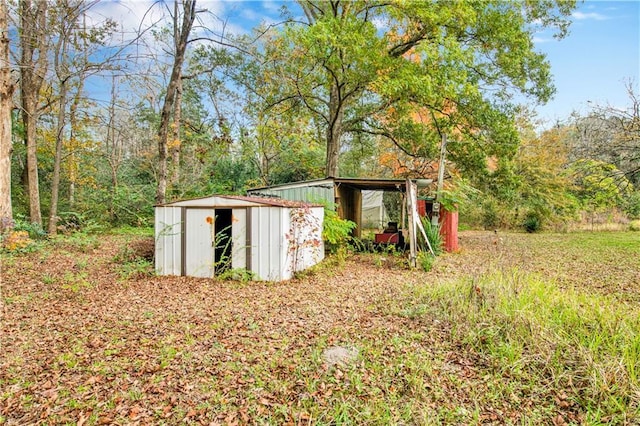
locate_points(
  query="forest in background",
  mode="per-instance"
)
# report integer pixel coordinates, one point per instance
(105, 123)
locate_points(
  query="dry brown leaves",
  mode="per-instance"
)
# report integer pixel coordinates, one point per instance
(78, 344)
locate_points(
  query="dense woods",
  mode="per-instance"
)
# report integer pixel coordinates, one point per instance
(97, 123)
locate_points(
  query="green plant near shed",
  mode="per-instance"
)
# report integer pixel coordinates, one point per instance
(336, 231)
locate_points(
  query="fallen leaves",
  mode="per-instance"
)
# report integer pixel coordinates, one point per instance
(178, 349)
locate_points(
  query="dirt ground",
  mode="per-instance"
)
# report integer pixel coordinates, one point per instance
(81, 344)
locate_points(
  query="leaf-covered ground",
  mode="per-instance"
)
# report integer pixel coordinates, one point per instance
(85, 341)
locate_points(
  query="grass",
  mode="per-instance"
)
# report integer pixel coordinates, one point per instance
(514, 329)
(585, 348)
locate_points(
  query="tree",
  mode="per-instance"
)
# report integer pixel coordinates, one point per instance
(367, 66)
(71, 64)
(181, 37)
(612, 135)
(6, 105)
(33, 62)
(543, 179)
(598, 186)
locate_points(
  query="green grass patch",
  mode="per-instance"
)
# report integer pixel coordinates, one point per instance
(530, 337)
(133, 231)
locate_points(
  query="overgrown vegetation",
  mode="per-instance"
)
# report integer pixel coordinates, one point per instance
(502, 339)
(542, 342)
(336, 231)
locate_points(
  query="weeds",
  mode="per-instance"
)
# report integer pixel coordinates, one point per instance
(426, 260)
(136, 269)
(237, 274)
(526, 328)
(433, 235)
(135, 259)
(78, 241)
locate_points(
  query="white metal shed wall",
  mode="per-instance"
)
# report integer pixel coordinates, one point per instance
(168, 234)
(198, 251)
(305, 247)
(268, 252)
(259, 235)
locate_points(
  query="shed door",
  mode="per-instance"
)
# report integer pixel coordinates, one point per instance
(199, 253)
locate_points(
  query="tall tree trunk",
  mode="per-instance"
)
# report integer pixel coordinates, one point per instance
(55, 184)
(113, 149)
(176, 143)
(62, 73)
(73, 142)
(181, 37)
(334, 131)
(6, 103)
(33, 64)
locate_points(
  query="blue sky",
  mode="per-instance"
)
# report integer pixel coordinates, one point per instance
(592, 63)
(590, 66)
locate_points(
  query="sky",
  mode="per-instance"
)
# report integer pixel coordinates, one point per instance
(590, 66)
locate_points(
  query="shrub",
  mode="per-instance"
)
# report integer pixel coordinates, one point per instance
(336, 231)
(70, 222)
(16, 240)
(634, 225)
(532, 222)
(34, 230)
(135, 259)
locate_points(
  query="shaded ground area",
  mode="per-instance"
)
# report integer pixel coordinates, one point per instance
(82, 344)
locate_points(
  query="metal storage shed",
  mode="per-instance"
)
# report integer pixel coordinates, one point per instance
(272, 238)
(346, 193)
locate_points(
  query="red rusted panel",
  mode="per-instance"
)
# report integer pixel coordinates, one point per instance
(388, 238)
(422, 208)
(449, 230)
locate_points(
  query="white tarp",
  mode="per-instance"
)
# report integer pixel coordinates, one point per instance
(374, 215)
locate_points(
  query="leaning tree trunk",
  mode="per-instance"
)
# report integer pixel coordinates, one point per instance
(334, 131)
(181, 36)
(6, 102)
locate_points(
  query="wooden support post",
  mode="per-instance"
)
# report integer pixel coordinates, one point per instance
(411, 208)
(435, 217)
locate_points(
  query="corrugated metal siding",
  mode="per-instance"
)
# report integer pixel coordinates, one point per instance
(168, 234)
(310, 194)
(199, 253)
(266, 242)
(239, 238)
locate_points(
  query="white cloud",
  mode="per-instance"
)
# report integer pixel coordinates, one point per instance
(272, 6)
(538, 40)
(130, 15)
(379, 23)
(581, 16)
